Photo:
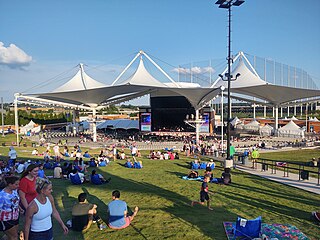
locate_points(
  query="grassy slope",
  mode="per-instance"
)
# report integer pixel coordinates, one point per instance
(164, 201)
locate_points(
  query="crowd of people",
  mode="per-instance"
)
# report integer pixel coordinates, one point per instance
(29, 196)
(26, 194)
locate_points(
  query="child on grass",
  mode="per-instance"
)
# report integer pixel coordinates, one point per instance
(204, 193)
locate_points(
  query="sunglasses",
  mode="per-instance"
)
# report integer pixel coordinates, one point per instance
(43, 183)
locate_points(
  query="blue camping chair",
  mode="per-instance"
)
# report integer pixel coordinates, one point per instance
(247, 229)
(203, 165)
(102, 164)
(212, 166)
(128, 165)
(195, 166)
(92, 163)
(75, 179)
(137, 165)
(95, 179)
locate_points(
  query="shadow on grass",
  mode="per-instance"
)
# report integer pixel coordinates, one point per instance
(275, 190)
(180, 210)
(186, 165)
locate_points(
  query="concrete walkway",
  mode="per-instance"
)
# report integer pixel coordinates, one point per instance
(310, 185)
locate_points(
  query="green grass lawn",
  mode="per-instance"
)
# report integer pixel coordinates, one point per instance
(164, 201)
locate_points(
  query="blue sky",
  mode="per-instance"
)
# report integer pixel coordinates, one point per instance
(52, 37)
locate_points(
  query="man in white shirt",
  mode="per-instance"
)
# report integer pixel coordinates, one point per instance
(12, 156)
(57, 172)
(134, 150)
(56, 151)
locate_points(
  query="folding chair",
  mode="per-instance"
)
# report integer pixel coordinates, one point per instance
(247, 229)
(75, 179)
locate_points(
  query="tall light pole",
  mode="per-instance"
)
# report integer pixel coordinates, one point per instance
(227, 4)
(222, 122)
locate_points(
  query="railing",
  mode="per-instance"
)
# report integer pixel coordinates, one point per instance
(286, 166)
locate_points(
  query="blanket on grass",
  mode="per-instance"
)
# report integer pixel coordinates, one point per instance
(200, 178)
(276, 231)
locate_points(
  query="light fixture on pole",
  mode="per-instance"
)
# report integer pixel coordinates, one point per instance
(227, 4)
(195, 122)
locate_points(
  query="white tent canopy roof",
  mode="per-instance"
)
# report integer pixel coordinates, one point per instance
(143, 77)
(246, 78)
(83, 90)
(80, 81)
(198, 97)
(250, 84)
(277, 95)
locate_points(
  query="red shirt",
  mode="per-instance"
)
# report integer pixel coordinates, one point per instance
(29, 188)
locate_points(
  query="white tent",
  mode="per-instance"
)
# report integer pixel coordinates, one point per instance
(27, 127)
(235, 121)
(291, 130)
(315, 119)
(254, 125)
(293, 118)
(30, 127)
(266, 130)
(240, 126)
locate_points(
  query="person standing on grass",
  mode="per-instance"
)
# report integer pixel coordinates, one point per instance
(118, 211)
(134, 150)
(27, 185)
(38, 223)
(9, 208)
(204, 193)
(12, 156)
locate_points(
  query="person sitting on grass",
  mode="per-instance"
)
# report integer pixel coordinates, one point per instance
(57, 172)
(193, 174)
(75, 175)
(204, 193)
(225, 177)
(98, 179)
(118, 211)
(122, 156)
(41, 171)
(83, 214)
(86, 154)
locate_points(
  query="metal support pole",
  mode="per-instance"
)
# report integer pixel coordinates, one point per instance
(222, 123)
(229, 83)
(16, 118)
(94, 126)
(2, 117)
(276, 120)
(197, 127)
(227, 4)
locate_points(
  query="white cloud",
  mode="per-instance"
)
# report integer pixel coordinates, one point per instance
(13, 56)
(193, 70)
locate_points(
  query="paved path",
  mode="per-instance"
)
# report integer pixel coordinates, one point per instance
(310, 185)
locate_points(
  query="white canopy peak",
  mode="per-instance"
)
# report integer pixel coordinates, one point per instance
(80, 81)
